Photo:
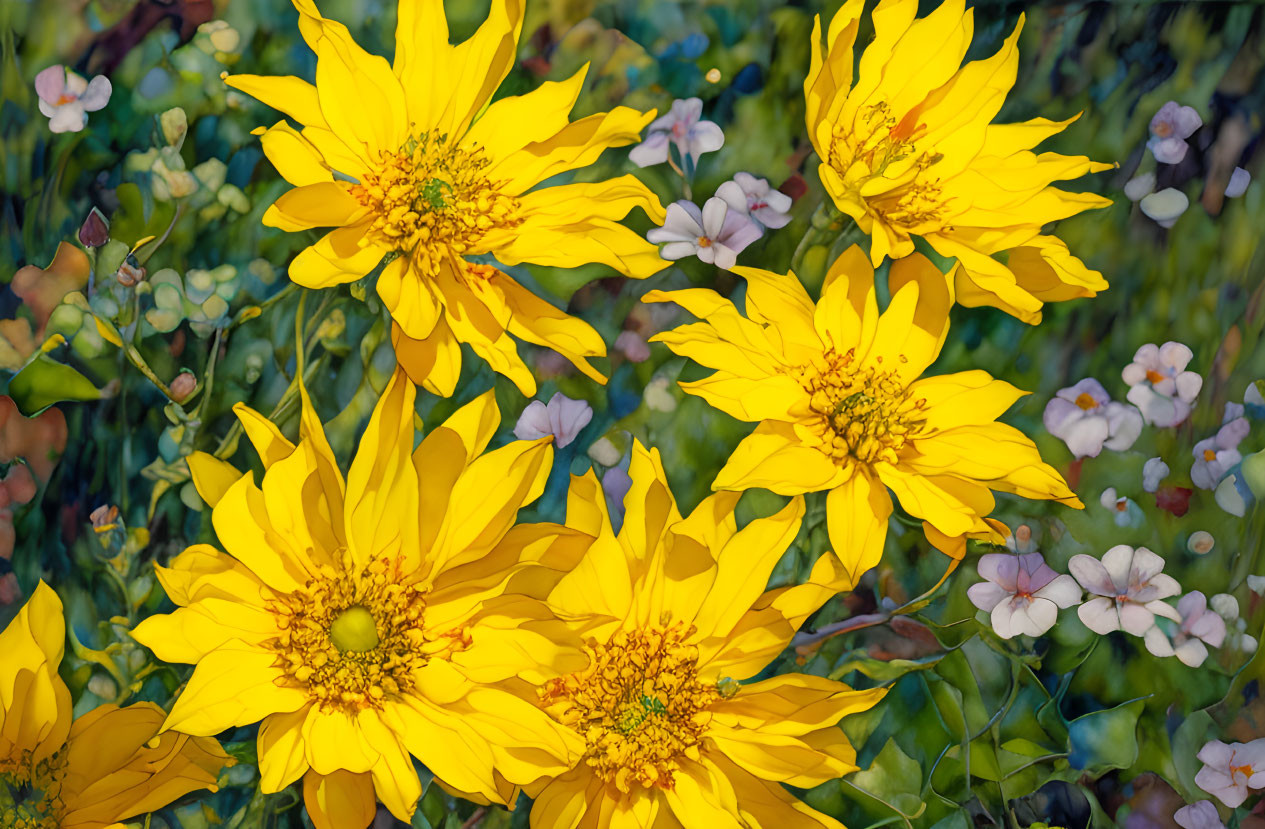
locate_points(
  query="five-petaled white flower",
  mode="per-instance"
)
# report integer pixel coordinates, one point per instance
(1217, 455)
(563, 418)
(1022, 594)
(716, 234)
(1128, 587)
(1159, 383)
(66, 97)
(1170, 128)
(1086, 418)
(754, 197)
(1231, 769)
(683, 128)
(1200, 626)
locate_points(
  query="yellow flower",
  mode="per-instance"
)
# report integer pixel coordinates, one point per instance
(367, 619)
(908, 150)
(675, 617)
(412, 165)
(106, 766)
(836, 391)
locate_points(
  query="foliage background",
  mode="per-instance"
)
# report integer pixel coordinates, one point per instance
(1072, 729)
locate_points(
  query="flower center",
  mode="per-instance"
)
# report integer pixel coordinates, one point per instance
(640, 706)
(30, 792)
(1246, 770)
(875, 141)
(1154, 376)
(1210, 455)
(863, 413)
(1163, 129)
(1086, 402)
(353, 640)
(704, 242)
(434, 200)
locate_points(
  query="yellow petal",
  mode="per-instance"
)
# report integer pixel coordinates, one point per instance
(293, 96)
(963, 398)
(359, 95)
(294, 156)
(423, 58)
(434, 362)
(211, 476)
(341, 800)
(281, 756)
(264, 435)
(856, 514)
(537, 322)
(513, 122)
(847, 313)
(772, 457)
(337, 257)
(325, 204)
(35, 705)
(478, 65)
(233, 685)
(577, 145)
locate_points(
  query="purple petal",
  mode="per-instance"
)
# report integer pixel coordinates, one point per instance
(1239, 180)
(1001, 569)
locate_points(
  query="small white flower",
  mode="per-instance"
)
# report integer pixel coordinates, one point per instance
(753, 196)
(604, 452)
(1086, 418)
(1201, 815)
(716, 234)
(1239, 180)
(1154, 472)
(1022, 594)
(1200, 542)
(1231, 769)
(1159, 384)
(1217, 455)
(563, 418)
(1226, 606)
(1170, 128)
(66, 98)
(1165, 207)
(1128, 586)
(682, 127)
(1140, 186)
(1198, 628)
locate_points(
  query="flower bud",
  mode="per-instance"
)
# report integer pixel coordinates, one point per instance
(183, 386)
(95, 230)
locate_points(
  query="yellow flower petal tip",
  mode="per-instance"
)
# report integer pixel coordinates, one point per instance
(675, 619)
(909, 149)
(837, 391)
(412, 164)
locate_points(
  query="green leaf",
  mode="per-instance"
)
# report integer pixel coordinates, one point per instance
(893, 778)
(880, 669)
(44, 381)
(1189, 737)
(1106, 739)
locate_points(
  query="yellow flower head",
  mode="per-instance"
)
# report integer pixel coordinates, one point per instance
(106, 766)
(411, 164)
(837, 392)
(908, 149)
(674, 616)
(367, 619)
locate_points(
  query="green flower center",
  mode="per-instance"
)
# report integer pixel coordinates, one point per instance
(354, 630)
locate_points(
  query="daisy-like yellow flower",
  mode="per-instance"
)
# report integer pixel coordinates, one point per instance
(908, 150)
(675, 617)
(837, 392)
(411, 164)
(364, 620)
(104, 767)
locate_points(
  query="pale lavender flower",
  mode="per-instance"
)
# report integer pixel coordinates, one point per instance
(1086, 418)
(1154, 472)
(1201, 815)
(563, 418)
(681, 127)
(753, 196)
(66, 97)
(633, 346)
(1128, 586)
(1231, 769)
(1239, 180)
(1170, 128)
(714, 234)
(1199, 627)
(1217, 455)
(1022, 594)
(1159, 384)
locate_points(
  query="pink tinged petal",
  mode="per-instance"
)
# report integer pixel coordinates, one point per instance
(1035, 619)
(1175, 355)
(1215, 753)
(1091, 575)
(731, 193)
(715, 212)
(1124, 425)
(633, 346)
(68, 118)
(1135, 618)
(1118, 562)
(685, 111)
(1193, 604)
(1160, 608)
(1188, 385)
(1157, 643)
(1133, 374)
(1143, 565)
(1220, 785)
(1033, 573)
(738, 232)
(1192, 653)
(1059, 415)
(1239, 180)
(1209, 627)
(652, 151)
(1201, 815)
(50, 83)
(533, 423)
(1063, 592)
(777, 200)
(705, 137)
(1099, 615)
(772, 218)
(567, 418)
(1001, 569)
(986, 595)
(97, 95)
(1003, 618)
(1164, 586)
(1085, 437)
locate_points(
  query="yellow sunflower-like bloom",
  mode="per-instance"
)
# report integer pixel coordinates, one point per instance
(836, 391)
(104, 767)
(408, 162)
(908, 149)
(364, 620)
(675, 616)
